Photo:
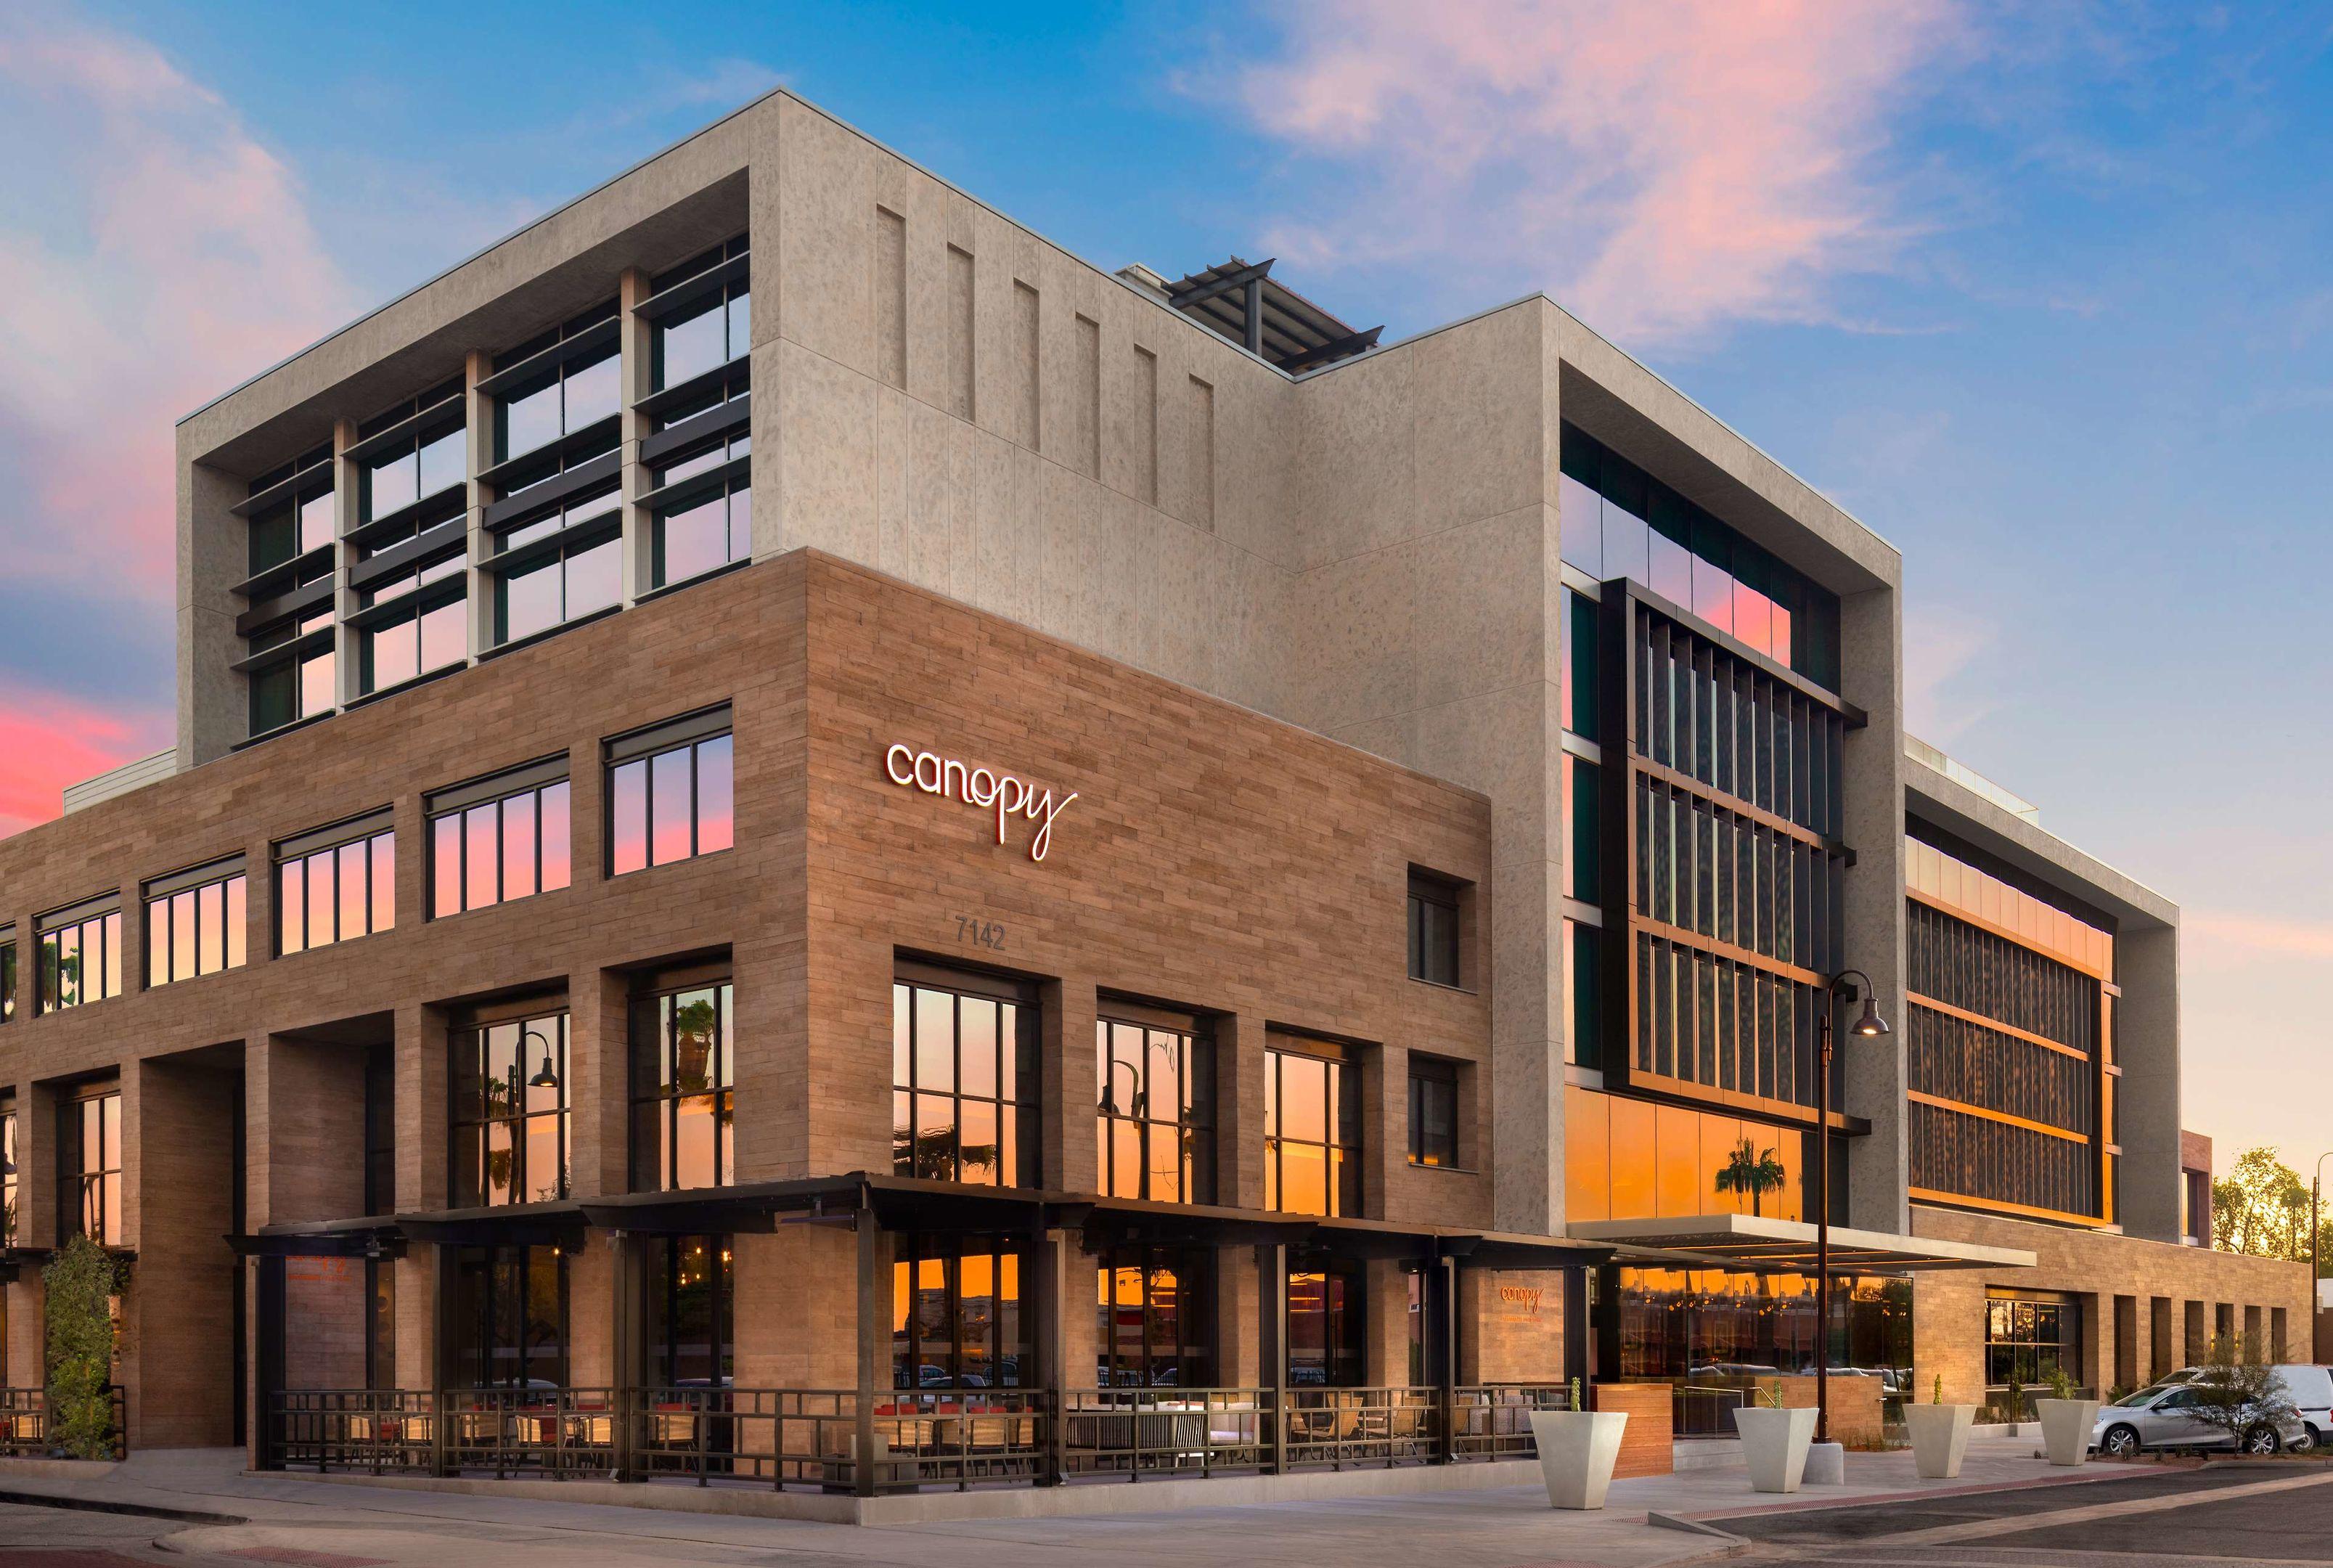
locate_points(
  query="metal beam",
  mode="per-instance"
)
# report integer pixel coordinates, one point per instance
(1182, 298)
(1334, 349)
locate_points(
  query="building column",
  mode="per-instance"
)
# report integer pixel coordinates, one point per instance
(1878, 1169)
(179, 1309)
(423, 1066)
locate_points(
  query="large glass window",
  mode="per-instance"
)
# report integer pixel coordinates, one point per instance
(706, 530)
(2029, 1336)
(1433, 1111)
(691, 1323)
(9, 1233)
(683, 1093)
(292, 517)
(195, 923)
(1156, 1306)
(81, 955)
(423, 623)
(1327, 1324)
(556, 583)
(497, 839)
(1434, 942)
(507, 1327)
(956, 1313)
(671, 794)
(510, 1132)
(1616, 522)
(416, 468)
(709, 322)
(92, 1150)
(563, 399)
(963, 1082)
(1156, 1121)
(7, 972)
(1583, 987)
(299, 682)
(1631, 1159)
(336, 884)
(1312, 1129)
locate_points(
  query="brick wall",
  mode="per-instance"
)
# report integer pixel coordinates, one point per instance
(2171, 1289)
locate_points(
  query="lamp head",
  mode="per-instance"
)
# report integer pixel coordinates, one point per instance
(1871, 1025)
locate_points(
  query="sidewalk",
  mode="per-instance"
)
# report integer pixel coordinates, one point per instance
(428, 1529)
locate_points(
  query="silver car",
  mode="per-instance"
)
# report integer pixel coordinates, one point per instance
(2170, 1417)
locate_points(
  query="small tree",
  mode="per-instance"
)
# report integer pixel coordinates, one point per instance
(2239, 1390)
(78, 1286)
(1746, 1171)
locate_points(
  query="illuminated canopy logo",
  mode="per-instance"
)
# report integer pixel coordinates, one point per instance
(979, 787)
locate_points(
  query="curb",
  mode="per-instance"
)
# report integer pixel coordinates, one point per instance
(109, 1505)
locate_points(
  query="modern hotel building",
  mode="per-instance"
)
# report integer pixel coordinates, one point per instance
(812, 843)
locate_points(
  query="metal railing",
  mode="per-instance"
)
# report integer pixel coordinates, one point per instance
(25, 1423)
(817, 1438)
(1492, 1420)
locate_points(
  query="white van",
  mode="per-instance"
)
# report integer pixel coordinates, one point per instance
(2309, 1386)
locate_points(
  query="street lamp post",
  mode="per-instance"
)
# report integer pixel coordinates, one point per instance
(2315, 1231)
(1870, 1025)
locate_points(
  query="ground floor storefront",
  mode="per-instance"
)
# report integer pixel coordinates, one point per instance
(871, 1335)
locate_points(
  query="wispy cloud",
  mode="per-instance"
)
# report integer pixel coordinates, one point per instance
(1666, 167)
(2259, 935)
(1942, 644)
(165, 253)
(153, 252)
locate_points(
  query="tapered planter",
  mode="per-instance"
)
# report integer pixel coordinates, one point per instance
(1775, 1443)
(2066, 1429)
(1940, 1435)
(1577, 1449)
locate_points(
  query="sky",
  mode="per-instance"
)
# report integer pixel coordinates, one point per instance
(2042, 292)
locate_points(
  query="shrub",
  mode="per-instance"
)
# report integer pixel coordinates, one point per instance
(80, 1284)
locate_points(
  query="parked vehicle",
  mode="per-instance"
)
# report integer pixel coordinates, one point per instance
(2308, 1386)
(2167, 1416)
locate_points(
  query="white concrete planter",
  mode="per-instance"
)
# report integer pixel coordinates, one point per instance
(1940, 1435)
(1775, 1443)
(1577, 1450)
(2066, 1429)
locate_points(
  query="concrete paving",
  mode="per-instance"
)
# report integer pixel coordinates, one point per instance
(289, 1519)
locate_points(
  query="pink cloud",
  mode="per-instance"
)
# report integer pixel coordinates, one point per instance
(163, 255)
(1662, 166)
(47, 742)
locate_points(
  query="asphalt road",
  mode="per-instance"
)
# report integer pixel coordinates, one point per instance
(2281, 1513)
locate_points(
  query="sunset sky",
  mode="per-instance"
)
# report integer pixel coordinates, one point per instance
(2043, 294)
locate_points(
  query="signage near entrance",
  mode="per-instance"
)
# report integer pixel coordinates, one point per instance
(982, 787)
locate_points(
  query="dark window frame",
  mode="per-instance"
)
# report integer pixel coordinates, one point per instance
(1437, 928)
(538, 783)
(1345, 1130)
(475, 1129)
(1190, 1127)
(230, 910)
(90, 1193)
(1016, 1106)
(709, 737)
(102, 915)
(376, 832)
(659, 1098)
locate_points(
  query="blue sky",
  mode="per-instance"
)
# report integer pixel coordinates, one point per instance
(2042, 293)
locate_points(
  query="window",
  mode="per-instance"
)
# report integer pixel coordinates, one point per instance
(705, 529)
(507, 1323)
(703, 315)
(510, 1112)
(1157, 1120)
(1433, 1111)
(1325, 1324)
(1583, 855)
(336, 884)
(422, 624)
(964, 1081)
(1583, 987)
(416, 468)
(684, 1092)
(581, 388)
(574, 569)
(498, 838)
(299, 681)
(1312, 1129)
(10, 1235)
(956, 1313)
(2028, 1336)
(292, 517)
(80, 954)
(692, 1327)
(90, 1145)
(1617, 522)
(194, 922)
(670, 795)
(1154, 1304)
(7, 972)
(1433, 929)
